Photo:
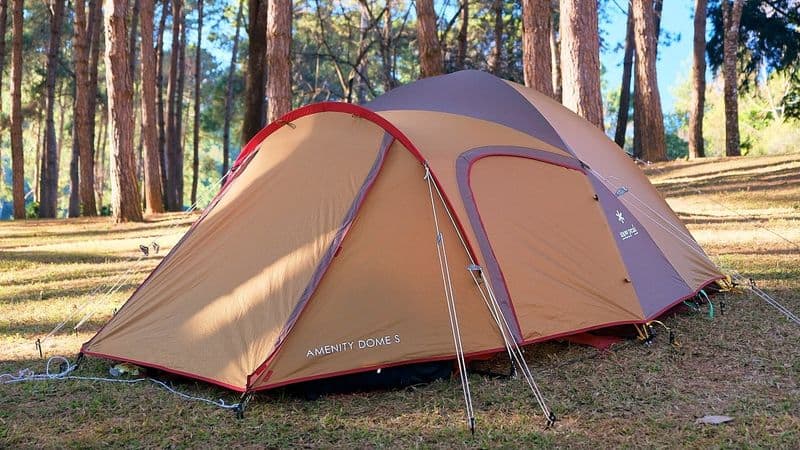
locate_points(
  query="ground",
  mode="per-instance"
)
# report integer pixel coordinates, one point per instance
(745, 363)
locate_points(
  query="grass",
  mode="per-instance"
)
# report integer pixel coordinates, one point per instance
(744, 363)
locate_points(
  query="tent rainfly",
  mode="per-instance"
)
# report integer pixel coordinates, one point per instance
(453, 217)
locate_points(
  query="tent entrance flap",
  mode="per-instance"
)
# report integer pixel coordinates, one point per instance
(547, 246)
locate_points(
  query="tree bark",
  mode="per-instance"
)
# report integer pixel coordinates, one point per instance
(17, 154)
(651, 118)
(172, 136)
(3, 23)
(536, 34)
(161, 120)
(134, 28)
(255, 80)
(124, 188)
(731, 17)
(226, 131)
(48, 195)
(180, 132)
(625, 87)
(461, 55)
(580, 59)
(82, 116)
(496, 58)
(430, 53)
(152, 163)
(94, 32)
(279, 46)
(696, 144)
(198, 77)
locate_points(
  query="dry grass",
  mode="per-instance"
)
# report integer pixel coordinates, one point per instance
(745, 363)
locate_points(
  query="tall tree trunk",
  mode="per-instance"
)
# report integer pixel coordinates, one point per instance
(386, 48)
(461, 55)
(536, 34)
(255, 79)
(152, 163)
(172, 147)
(180, 131)
(731, 17)
(496, 58)
(226, 130)
(82, 115)
(162, 130)
(3, 24)
(580, 59)
(94, 32)
(279, 47)
(430, 53)
(124, 189)
(555, 51)
(74, 208)
(134, 28)
(48, 196)
(638, 151)
(696, 144)
(198, 77)
(17, 155)
(625, 87)
(651, 125)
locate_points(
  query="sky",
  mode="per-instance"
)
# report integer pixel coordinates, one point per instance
(674, 61)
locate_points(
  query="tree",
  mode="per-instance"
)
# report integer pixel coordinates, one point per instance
(496, 58)
(651, 118)
(279, 44)
(83, 115)
(226, 130)
(17, 155)
(197, 79)
(625, 87)
(160, 114)
(48, 195)
(731, 16)
(152, 161)
(173, 150)
(255, 80)
(430, 53)
(461, 55)
(3, 22)
(696, 145)
(555, 50)
(124, 189)
(536, 58)
(580, 59)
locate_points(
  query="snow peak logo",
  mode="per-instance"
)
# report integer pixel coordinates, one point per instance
(628, 232)
(361, 344)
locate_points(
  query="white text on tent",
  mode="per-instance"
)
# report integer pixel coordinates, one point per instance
(361, 344)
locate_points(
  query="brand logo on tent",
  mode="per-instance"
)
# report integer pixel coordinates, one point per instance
(361, 344)
(620, 217)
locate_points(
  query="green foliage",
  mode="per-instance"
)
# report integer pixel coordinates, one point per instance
(32, 210)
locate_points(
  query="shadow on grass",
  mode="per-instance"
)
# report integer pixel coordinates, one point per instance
(49, 257)
(67, 295)
(732, 182)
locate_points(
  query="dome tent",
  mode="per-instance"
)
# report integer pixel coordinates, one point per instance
(321, 254)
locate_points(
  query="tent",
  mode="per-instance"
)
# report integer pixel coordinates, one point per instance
(449, 218)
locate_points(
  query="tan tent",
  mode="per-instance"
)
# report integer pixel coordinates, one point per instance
(355, 238)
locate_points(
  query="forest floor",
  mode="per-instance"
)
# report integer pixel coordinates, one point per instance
(744, 364)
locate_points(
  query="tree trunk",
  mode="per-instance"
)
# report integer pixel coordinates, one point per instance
(279, 46)
(625, 88)
(496, 58)
(696, 144)
(555, 51)
(48, 196)
(134, 28)
(255, 80)
(386, 48)
(580, 59)
(651, 125)
(180, 131)
(731, 17)
(124, 189)
(3, 23)
(82, 116)
(74, 208)
(162, 131)
(430, 54)
(198, 77)
(94, 32)
(536, 34)
(17, 154)
(226, 131)
(461, 55)
(152, 163)
(172, 147)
